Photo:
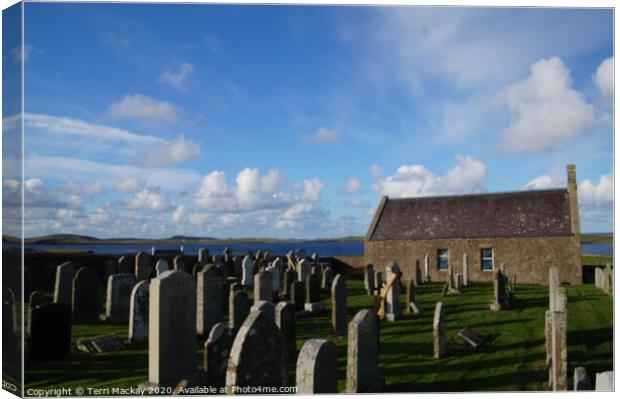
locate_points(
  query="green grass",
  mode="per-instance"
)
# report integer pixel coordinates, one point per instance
(596, 259)
(590, 238)
(512, 359)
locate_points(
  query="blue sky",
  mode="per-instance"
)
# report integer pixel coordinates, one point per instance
(292, 121)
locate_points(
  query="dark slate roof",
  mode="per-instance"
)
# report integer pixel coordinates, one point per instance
(516, 214)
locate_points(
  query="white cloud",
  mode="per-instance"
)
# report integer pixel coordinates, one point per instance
(323, 136)
(468, 176)
(604, 78)
(177, 151)
(358, 203)
(82, 188)
(597, 193)
(543, 182)
(179, 214)
(376, 170)
(546, 109)
(180, 79)
(143, 108)
(353, 186)
(90, 131)
(130, 184)
(312, 189)
(150, 198)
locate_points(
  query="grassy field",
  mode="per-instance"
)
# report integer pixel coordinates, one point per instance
(512, 359)
(596, 259)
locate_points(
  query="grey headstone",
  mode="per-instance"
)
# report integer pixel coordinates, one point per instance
(178, 263)
(328, 277)
(209, 296)
(139, 312)
(369, 279)
(605, 381)
(393, 310)
(313, 288)
(363, 353)
(298, 295)
(161, 266)
(172, 327)
(217, 350)
(118, 297)
(304, 269)
(247, 271)
(439, 332)
(110, 268)
(262, 287)
(237, 269)
(203, 256)
(258, 356)
(472, 338)
(124, 265)
(317, 368)
(87, 298)
(238, 309)
(581, 382)
(378, 280)
(285, 320)
(63, 288)
(266, 307)
(143, 266)
(290, 275)
(37, 298)
(339, 305)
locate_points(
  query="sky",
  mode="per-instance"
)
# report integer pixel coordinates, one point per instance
(292, 121)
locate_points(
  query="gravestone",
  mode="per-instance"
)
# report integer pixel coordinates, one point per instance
(118, 298)
(209, 297)
(339, 306)
(110, 268)
(143, 266)
(317, 368)
(439, 332)
(178, 263)
(328, 277)
(37, 298)
(100, 344)
(604, 381)
(393, 309)
(262, 286)
(223, 269)
(197, 269)
(304, 269)
(237, 269)
(63, 287)
(581, 382)
(87, 302)
(427, 265)
(266, 307)
(124, 265)
(217, 350)
(369, 279)
(417, 273)
(172, 328)
(290, 275)
(378, 280)
(49, 332)
(285, 320)
(363, 354)
(298, 295)
(472, 338)
(559, 355)
(238, 309)
(313, 288)
(258, 356)
(274, 270)
(247, 277)
(465, 271)
(161, 266)
(412, 306)
(458, 281)
(499, 288)
(139, 313)
(203, 256)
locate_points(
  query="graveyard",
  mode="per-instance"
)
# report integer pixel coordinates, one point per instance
(511, 358)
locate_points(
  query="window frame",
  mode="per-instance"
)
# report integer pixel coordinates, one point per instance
(440, 256)
(483, 258)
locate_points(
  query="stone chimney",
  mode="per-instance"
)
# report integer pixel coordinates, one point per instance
(574, 204)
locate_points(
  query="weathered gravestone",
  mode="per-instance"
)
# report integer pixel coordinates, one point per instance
(439, 332)
(393, 309)
(139, 312)
(285, 320)
(203, 256)
(581, 381)
(275, 279)
(161, 266)
(304, 269)
(223, 270)
(290, 275)
(472, 338)
(363, 354)
(427, 273)
(266, 307)
(63, 287)
(328, 277)
(499, 288)
(559, 355)
(317, 368)
(262, 286)
(465, 270)
(178, 263)
(197, 269)
(49, 332)
(604, 381)
(417, 278)
(37, 298)
(217, 350)
(118, 297)
(258, 356)
(124, 265)
(172, 328)
(369, 279)
(237, 269)
(378, 283)
(313, 288)
(143, 266)
(412, 306)
(247, 277)
(109, 269)
(339, 306)
(87, 301)
(298, 295)
(209, 296)
(238, 309)
(100, 344)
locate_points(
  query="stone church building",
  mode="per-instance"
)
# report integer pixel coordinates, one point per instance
(527, 231)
